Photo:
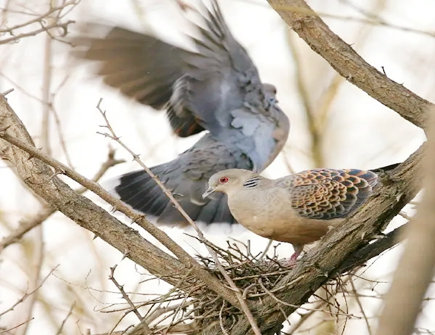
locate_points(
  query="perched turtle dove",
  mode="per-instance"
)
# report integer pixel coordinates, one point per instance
(214, 88)
(299, 208)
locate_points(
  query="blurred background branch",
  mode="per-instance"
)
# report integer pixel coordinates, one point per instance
(416, 267)
(41, 23)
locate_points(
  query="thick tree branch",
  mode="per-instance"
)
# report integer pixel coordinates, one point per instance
(367, 252)
(340, 55)
(44, 182)
(28, 224)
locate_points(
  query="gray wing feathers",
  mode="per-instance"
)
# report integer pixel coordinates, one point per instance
(227, 76)
(186, 177)
(139, 65)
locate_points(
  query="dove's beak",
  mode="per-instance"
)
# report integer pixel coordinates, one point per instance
(209, 191)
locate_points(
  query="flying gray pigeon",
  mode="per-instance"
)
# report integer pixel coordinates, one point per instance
(215, 89)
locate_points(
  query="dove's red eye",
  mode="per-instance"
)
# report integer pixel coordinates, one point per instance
(223, 180)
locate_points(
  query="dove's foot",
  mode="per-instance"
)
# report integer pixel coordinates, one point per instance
(291, 262)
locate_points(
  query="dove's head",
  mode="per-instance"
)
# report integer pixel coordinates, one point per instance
(228, 181)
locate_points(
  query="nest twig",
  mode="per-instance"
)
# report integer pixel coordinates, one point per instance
(177, 310)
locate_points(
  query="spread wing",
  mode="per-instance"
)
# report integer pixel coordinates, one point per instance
(199, 90)
(328, 193)
(141, 67)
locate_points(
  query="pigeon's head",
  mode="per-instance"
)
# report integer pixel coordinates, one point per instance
(228, 181)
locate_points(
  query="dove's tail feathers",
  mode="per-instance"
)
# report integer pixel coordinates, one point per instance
(141, 192)
(385, 168)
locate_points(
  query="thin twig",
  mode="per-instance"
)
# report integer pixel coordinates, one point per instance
(265, 251)
(64, 27)
(176, 204)
(221, 324)
(5, 93)
(28, 294)
(144, 326)
(41, 17)
(4, 331)
(304, 317)
(361, 308)
(59, 331)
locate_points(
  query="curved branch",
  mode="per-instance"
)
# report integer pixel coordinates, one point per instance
(340, 55)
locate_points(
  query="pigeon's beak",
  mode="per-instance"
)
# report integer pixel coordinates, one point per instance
(209, 191)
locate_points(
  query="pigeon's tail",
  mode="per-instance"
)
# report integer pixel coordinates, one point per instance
(142, 193)
(385, 168)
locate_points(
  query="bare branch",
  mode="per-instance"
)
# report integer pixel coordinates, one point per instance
(360, 306)
(28, 224)
(54, 11)
(63, 26)
(25, 226)
(50, 12)
(28, 294)
(8, 331)
(144, 326)
(340, 55)
(367, 252)
(59, 331)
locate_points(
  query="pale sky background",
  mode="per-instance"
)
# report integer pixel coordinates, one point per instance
(360, 133)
